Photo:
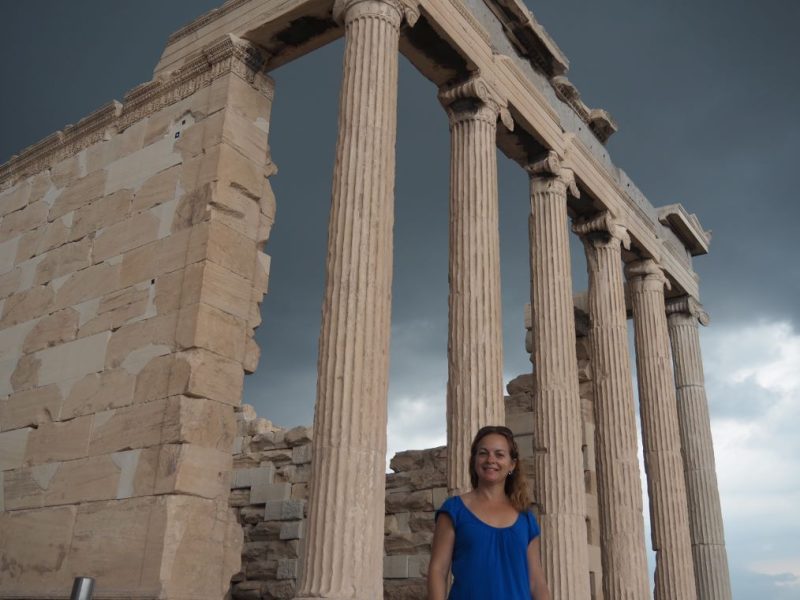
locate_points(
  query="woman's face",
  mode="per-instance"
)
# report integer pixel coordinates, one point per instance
(493, 460)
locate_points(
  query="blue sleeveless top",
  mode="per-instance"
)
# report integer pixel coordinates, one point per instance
(489, 563)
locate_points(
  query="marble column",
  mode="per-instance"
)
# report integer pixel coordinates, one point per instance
(669, 518)
(343, 556)
(619, 486)
(475, 327)
(558, 462)
(705, 514)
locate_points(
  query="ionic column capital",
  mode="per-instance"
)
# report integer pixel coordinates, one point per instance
(393, 11)
(475, 98)
(551, 169)
(689, 306)
(641, 272)
(602, 229)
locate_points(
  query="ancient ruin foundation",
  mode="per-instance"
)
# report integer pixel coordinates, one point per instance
(131, 275)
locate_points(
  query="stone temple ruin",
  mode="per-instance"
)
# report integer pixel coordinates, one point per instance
(131, 273)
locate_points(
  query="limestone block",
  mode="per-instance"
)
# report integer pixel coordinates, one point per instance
(30, 407)
(13, 445)
(10, 282)
(26, 373)
(520, 423)
(40, 240)
(439, 496)
(292, 530)
(63, 260)
(59, 327)
(59, 441)
(73, 360)
(525, 445)
(225, 290)
(98, 392)
(212, 377)
(298, 436)
(23, 220)
(193, 207)
(2, 492)
(101, 214)
(301, 454)
(192, 469)
(92, 282)
(245, 478)
(284, 510)
(395, 567)
(204, 545)
(27, 305)
(79, 193)
(15, 197)
(161, 187)
(99, 156)
(24, 488)
(132, 170)
(13, 338)
(287, 568)
(404, 589)
(418, 565)
(200, 136)
(402, 502)
(156, 331)
(106, 536)
(65, 172)
(239, 212)
(83, 480)
(9, 250)
(262, 493)
(161, 256)
(230, 249)
(203, 326)
(117, 309)
(133, 232)
(35, 544)
(169, 292)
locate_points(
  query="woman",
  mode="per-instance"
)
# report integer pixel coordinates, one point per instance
(488, 535)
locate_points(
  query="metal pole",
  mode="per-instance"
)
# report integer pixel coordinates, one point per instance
(82, 588)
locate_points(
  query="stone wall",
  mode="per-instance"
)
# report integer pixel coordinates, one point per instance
(130, 283)
(270, 491)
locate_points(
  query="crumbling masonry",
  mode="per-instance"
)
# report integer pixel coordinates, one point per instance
(131, 274)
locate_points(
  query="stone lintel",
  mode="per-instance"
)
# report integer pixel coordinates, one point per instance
(687, 227)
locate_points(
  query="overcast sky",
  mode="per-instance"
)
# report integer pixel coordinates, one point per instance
(705, 94)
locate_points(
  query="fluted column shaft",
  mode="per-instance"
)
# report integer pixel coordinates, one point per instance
(669, 518)
(705, 513)
(474, 341)
(343, 556)
(619, 487)
(558, 462)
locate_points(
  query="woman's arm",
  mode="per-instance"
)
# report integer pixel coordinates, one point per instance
(539, 589)
(444, 537)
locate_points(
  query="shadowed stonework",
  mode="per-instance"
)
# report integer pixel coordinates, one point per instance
(131, 276)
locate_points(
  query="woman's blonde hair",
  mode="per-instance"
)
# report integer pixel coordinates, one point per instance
(516, 485)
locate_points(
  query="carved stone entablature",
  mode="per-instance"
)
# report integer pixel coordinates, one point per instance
(551, 165)
(408, 9)
(228, 54)
(689, 306)
(205, 19)
(646, 269)
(598, 120)
(529, 37)
(687, 227)
(468, 98)
(603, 224)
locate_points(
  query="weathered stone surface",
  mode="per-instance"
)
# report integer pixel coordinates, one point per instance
(98, 392)
(25, 219)
(203, 326)
(13, 445)
(73, 359)
(160, 188)
(26, 374)
(63, 260)
(158, 331)
(101, 214)
(126, 235)
(42, 239)
(27, 305)
(118, 308)
(81, 192)
(194, 470)
(92, 282)
(15, 197)
(30, 407)
(35, 546)
(59, 441)
(59, 327)
(156, 258)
